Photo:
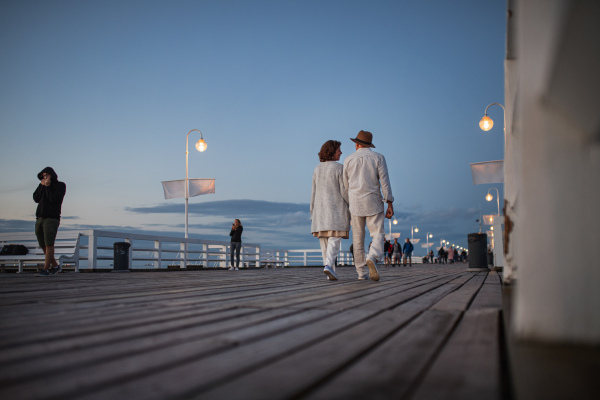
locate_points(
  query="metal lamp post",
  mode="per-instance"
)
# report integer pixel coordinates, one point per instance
(200, 146)
(428, 236)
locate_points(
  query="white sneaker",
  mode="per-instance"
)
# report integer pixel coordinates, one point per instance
(330, 273)
(231, 268)
(237, 269)
(373, 273)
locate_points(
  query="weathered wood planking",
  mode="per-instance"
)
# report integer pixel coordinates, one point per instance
(283, 333)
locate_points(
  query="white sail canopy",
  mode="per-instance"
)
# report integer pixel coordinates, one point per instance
(488, 172)
(197, 187)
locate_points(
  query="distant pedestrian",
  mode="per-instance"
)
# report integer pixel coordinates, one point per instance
(463, 255)
(431, 256)
(397, 252)
(408, 249)
(456, 255)
(387, 252)
(441, 253)
(329, 206)
(366, 177)
(236, 243)
(49, 196)
(451, 255)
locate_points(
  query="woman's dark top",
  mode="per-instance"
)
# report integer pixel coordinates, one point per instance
(236, 234)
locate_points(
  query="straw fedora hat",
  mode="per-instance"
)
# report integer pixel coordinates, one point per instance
(365, 138)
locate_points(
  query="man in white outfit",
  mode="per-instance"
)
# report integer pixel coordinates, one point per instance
(366, 177)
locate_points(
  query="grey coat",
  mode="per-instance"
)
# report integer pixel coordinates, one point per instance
(329, 199)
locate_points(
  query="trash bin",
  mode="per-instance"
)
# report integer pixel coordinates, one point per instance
(121, 256)
(477, 250)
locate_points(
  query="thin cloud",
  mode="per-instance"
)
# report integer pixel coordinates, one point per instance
(17, 225)
(225, 208)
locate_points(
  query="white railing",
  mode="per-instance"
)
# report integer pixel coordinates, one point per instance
(291, 258)
(95, 251)
(159, 252)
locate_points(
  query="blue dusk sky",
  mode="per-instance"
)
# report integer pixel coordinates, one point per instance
(105, 92)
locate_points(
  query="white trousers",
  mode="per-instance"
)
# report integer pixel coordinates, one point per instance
(330, 249)
(375, 225)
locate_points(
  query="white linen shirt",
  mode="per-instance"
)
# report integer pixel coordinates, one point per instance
(366, 177)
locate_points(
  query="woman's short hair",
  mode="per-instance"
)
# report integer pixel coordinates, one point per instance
(328, 150)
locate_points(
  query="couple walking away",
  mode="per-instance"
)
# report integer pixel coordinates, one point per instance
(352, 192)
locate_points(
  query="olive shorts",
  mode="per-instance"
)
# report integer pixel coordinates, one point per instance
(45, 231)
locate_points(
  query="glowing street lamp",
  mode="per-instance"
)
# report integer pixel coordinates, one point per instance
(200, 146)
(428, 236)
(489, 197)
(411, 231)
(487, 123)
(395, 223)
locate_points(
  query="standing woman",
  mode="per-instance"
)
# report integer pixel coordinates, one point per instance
(236, 243)
(329, 205)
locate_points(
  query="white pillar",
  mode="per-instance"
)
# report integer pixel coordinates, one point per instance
(556, 214)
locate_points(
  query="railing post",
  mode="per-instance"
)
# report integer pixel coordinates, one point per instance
(92, 251)
(228, 255)
(242, 256)
(158, 247)
(257, 265)
(183, 248)
(130, 252)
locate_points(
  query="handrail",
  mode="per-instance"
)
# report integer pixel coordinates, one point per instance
(159, 252)
(96, 252)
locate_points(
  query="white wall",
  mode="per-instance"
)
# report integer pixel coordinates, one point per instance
(555, 159)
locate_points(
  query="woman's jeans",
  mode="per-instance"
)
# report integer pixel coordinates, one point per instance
(235, 247)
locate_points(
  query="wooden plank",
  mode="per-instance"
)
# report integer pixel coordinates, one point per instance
(391, 369)
(468, 367)
(348, 295)
(288, 332)
(59, 344)
(490, 295)
(460, 299)
(174, 370)
(292, 375)
(70, 354)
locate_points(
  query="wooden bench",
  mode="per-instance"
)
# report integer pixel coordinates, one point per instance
(66, 250)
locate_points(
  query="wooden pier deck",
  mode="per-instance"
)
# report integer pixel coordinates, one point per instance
(426, 332)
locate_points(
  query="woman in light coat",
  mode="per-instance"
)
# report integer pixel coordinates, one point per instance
(329, 205)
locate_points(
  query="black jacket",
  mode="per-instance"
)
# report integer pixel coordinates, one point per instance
(49, 198)
(236, 234)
